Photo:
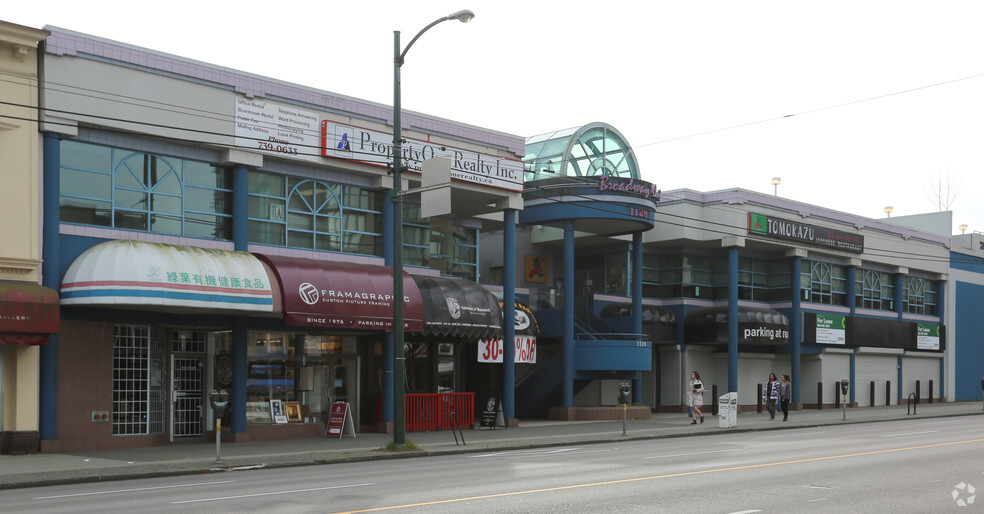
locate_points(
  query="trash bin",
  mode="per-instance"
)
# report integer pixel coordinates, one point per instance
(728, 410)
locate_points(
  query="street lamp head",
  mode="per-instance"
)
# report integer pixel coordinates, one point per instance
(776, 181)
(464, 16)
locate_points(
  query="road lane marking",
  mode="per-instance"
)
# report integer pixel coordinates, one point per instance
(909, 433)
(517, 457)
(696, 453)
(117, 491)
(658, 477)
(523, 452)
(745, 511)
(788, 435)
(238, 496)
(818, 500)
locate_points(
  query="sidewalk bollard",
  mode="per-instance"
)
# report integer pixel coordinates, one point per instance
(918, 393)
(888, 392)
(871, 395)
(837, 402)
(820, 395)
(758, 402)
(930, 391)
(715, 408)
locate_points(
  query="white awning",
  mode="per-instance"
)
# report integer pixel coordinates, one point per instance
(135, 273)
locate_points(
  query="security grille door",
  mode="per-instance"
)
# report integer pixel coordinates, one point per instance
(186, 417)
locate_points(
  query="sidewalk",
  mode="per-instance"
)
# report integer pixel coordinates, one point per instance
(185, 458)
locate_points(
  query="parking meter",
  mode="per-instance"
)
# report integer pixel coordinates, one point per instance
(845, 385)
(623, 397)
(623, 392)
(218, 400)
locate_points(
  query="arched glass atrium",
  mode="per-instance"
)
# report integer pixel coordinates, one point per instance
(594, 150)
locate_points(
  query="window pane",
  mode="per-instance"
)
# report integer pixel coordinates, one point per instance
(130, 220)
(300, 239)
(329, 243)
(166, 203)
(266, 233)
(329, 225)
(204, 174)
(209, 200)
(266, 208)
(165, 224)
(127, 199)
(208, 226)
(89, 212)
(85, 183)
(360, 243)
(83, 155)
(299, 221)
(266, 184)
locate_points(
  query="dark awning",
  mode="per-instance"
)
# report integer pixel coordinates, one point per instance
(28, 313)
(650, 313)
(756, 325)
(343, 294)
(458, 308)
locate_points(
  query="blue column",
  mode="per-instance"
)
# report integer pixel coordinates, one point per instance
(386, 407)
(240, 207)
(852, 289)
(568, 386)
(637, 307)
(733, 319)
(852, 292)
(900, 309)
(239, 364)
(51, 277)
(509, 314)
(796, 327)
(941, 311)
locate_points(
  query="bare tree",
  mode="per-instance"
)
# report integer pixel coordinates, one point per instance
(943, 192)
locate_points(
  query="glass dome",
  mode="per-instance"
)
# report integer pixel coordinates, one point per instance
(594, 150)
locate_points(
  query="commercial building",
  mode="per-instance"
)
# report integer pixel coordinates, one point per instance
(208, 229)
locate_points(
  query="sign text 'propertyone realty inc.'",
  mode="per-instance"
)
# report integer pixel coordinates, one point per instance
(359, 144)
(801, 232)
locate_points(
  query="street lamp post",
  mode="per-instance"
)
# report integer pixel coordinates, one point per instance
(775, 185)
(396, 196)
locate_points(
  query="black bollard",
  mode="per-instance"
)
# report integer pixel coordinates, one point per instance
(714, 394)
(758, 402)
(917, 392)
(888, 392)
(871, 395)
(819, 395)
(930, 391)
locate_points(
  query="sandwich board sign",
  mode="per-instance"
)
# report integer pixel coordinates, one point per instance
(340, 421)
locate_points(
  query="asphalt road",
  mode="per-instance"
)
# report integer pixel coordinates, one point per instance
(898, 466)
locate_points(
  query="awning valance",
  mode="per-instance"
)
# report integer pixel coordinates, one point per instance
(756, 325)
(156, 275)
(28, 313)
(343, 294)
(458, 308)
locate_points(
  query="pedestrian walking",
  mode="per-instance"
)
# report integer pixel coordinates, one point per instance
(695, 397)
(771, 395)
(785, 395)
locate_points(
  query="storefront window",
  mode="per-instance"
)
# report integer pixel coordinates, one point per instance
(138, 380)
(123, 189)
(311, 371)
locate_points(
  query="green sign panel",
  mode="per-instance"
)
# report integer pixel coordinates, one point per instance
(831, 329)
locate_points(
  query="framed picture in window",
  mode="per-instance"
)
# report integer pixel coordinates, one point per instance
(294, 412)
(277, 411)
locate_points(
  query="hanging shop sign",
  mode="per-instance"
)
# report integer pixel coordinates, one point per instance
(769, 226)
(831, 329)
(927, 337)
(277, 129)
(373, 147)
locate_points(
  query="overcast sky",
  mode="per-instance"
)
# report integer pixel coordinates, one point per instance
(856, 105)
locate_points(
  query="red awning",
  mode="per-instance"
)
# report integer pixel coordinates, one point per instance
(343, 294)
(28, 312)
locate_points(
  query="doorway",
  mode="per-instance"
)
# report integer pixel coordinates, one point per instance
(186, 395)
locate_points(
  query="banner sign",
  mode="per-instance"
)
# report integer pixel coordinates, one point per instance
(831, 329)
(373, 147)
(763, 225)
(491, 350)
(927, 337)
(282, 130)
